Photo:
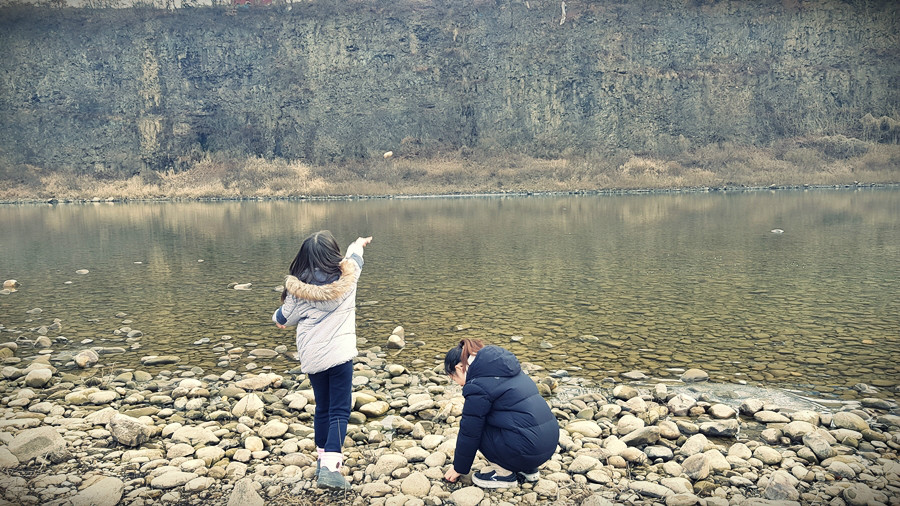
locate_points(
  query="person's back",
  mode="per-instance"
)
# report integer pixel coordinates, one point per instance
(504, 416)
(319, 298)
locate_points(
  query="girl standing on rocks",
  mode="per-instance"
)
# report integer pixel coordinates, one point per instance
(504, 416)
(319, 298)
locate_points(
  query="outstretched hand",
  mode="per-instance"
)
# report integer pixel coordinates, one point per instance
(364, 241)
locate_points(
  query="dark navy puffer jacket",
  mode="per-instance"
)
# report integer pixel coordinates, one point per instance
(504, 416)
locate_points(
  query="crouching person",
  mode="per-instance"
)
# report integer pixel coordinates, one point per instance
(504, 417)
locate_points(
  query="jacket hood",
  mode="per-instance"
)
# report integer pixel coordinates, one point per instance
(493, 361)
(321, 293)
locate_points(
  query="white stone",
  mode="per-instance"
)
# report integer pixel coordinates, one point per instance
(172, 479)
(128, 430)
(244, 494)
(467, 496)
(416, 485)
(586, 428)
(105, 491)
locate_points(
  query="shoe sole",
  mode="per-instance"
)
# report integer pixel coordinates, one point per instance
(493, 484)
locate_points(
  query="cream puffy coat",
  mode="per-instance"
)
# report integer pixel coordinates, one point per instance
(325, 316)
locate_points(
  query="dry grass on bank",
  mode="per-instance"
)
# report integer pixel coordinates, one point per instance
(812, 161)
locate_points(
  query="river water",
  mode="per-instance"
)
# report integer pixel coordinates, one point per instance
(595, 285)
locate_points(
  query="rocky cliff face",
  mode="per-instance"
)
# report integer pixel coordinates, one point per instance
(108, 91)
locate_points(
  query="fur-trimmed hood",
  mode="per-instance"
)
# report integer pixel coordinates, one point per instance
(328, 292)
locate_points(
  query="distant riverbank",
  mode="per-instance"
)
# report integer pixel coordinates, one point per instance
(726, 167)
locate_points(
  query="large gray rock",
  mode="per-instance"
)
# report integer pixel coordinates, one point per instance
(694, 376)
(782, 486)
(38, 378)
(387, 464)
(86, 358)
(374, 409)
(751, 406)
(721, 428)
(467, 496)
(128, 431)
(39, 442)
(244, 494)
(819, 445)
(416, 485)
(260, 381)
(583, 463)
(696, 467)
(681, 404)
(851, 421)
(642, 437)
(770, 417)
(250, 405)
(650, 489)
(7, 459)
(768, 455)
(172, 479)
(273, 429)
(395, 342)
(588, 428)
(624, 392)
(376, 489)
(797, 429)
(628, 423)
(859, 494)
(159, 360)
(721, 411)
(194, 436)
(102, 491)
(694, 445)
(678, 485)
(659, 452)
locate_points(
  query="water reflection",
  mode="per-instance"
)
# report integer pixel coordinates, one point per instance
(595, 284)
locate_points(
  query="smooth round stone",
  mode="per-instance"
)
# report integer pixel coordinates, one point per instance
(598, 476)
(659, 452)
(375, 409)
(694, 376)
(721, 411)
(770, 417)
(851, 421)
(768, 455)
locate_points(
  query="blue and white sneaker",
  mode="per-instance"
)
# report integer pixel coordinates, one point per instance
(531, 476)
(492, 480)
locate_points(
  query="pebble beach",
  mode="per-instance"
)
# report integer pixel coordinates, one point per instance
(76, 431)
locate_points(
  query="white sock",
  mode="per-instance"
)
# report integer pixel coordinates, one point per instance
(319, 452)
(332, 460)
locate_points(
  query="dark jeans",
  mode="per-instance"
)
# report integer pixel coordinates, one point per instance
(332, 388)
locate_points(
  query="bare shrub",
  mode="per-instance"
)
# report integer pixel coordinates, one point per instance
(804, 158)
(645, 166)
(837, 146)
(883, 129)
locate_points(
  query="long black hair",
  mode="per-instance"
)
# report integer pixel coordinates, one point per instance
(319, 252)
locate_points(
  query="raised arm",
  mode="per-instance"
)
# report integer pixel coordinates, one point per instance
(356, 247)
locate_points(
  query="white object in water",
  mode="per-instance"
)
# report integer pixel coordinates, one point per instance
(388, 154)
(777, 231)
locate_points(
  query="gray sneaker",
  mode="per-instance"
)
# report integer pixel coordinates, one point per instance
(331, 479)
